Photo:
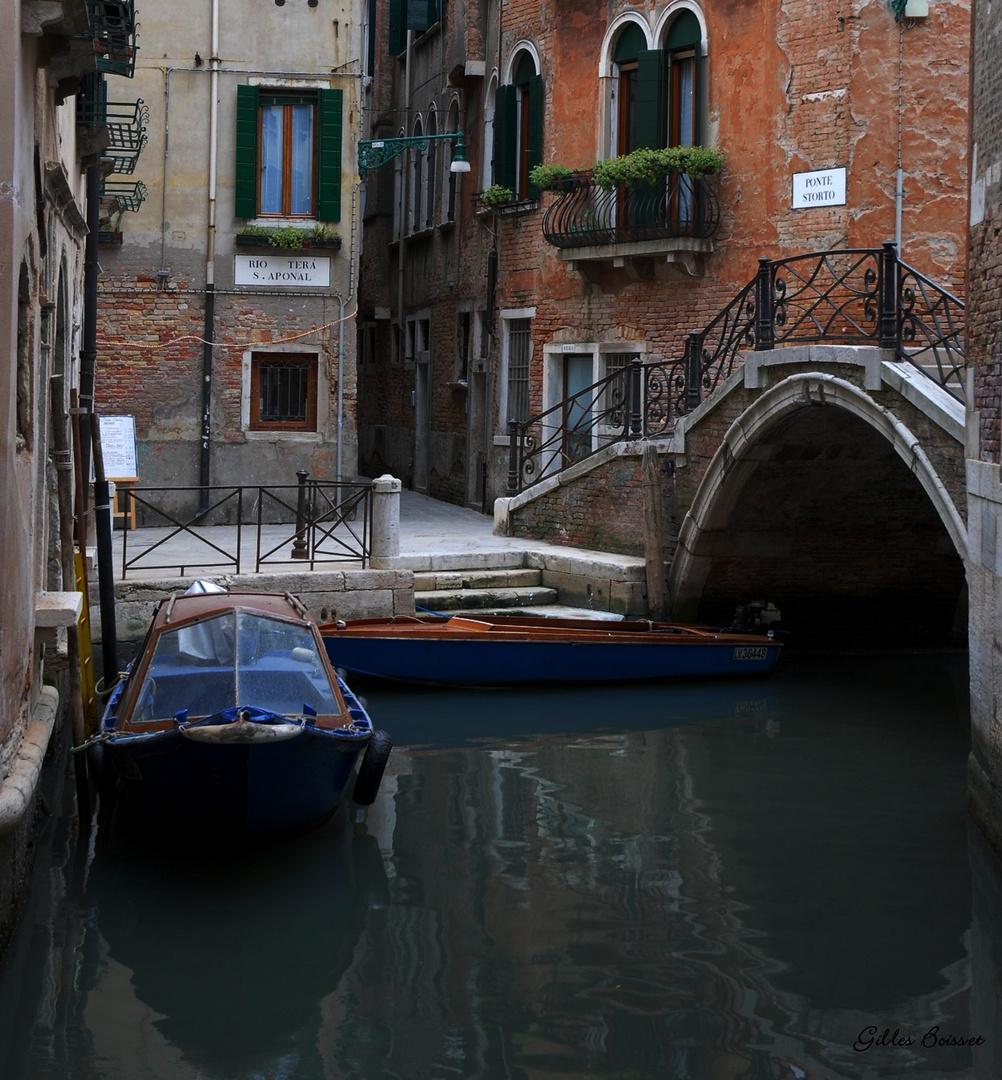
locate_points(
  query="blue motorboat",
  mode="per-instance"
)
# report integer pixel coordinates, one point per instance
(233, 722)
(499, 650)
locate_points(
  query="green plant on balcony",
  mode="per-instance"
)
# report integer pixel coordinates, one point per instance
(496, 195)
(290, 237)
(550, 176)
(648, 165)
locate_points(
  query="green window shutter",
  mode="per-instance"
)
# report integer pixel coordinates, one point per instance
(370, 51)
(535, 147)
(398, 26)
(245, 173)
(652, 116)
(421, 14)
(329, 155)
(505, 136)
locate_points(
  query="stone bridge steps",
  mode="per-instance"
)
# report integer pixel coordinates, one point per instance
(481, 589)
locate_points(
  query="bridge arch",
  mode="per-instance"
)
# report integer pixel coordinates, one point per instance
(885, 528)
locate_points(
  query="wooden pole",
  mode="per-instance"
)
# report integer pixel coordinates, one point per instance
(654, 543)
(64, 489)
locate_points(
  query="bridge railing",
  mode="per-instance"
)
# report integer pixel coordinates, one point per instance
(851, 296)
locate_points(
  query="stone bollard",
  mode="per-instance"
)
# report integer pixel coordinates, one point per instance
(385, 522)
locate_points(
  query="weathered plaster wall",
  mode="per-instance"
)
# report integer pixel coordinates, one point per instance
(153, 287)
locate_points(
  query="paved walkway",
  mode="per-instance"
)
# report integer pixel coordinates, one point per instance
(433, 536)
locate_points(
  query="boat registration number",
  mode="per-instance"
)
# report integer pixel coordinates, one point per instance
(750, 652)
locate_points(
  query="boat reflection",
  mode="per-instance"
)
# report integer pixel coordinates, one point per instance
(428, 717)
(228, 963)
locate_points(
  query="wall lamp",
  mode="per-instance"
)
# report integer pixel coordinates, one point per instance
(375, 152)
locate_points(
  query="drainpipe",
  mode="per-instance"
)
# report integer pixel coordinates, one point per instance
(204, 471)
(404, 171)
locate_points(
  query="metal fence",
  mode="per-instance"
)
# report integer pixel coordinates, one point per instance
(304, 525)
(848, 297)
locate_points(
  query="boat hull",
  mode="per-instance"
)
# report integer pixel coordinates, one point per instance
(250, 789)
(507, 657)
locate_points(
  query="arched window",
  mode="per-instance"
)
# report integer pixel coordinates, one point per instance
(414, 218)
(626, 104)
(518, 127)
(490, 101)
(656, 92)
(430, 173)
(682, 62)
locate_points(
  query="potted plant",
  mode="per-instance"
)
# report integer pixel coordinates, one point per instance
(550, 177)
(496, 195)
(647, 165)
(289, 237)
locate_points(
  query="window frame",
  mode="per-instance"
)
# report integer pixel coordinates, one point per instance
(328, 139)
(518, 126)
(310, 424)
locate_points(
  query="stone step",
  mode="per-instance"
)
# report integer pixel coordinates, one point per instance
(450, 580)
(481, 599)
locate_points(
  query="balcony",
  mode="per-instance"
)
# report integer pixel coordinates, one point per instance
(112, 28)
(661, 230)
(117, 128)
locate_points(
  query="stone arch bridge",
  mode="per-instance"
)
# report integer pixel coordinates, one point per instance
(827, 476)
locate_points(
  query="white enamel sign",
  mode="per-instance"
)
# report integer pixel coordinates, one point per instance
(826, 187)
(300, 270)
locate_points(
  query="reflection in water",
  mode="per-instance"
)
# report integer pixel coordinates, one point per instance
(702, 883)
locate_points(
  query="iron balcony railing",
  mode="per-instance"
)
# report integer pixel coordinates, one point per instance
(851, 296)
(125, 122)
(314, 522)
(588, 216)
(127, 194)
(113, 28)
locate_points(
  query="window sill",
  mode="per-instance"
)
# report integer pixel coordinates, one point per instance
(519, 206)
(283, 436)
(458, 384)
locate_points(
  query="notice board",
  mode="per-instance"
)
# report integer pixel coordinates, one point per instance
(118, 445)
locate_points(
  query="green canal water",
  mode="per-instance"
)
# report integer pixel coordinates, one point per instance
(764, 880)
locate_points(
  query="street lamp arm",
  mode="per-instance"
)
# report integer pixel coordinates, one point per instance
(375, 152)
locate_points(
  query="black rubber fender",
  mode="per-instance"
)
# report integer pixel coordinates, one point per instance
(370, 772)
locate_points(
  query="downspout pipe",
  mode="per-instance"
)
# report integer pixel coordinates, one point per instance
(91, 435)
(205, 462)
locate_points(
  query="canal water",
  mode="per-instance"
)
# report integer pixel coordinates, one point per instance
(764, 880)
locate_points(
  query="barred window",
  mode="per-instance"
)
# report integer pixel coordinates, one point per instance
(283, 392)
(617, 390)
(519, 351)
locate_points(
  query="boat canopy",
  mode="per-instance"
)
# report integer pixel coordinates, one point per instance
(238, 657)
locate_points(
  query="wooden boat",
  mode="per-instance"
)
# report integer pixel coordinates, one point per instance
(231, 720)
(498, 650)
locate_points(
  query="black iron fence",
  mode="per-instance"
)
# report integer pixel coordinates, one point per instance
(846, 297)
(587, 215)
(310, 523)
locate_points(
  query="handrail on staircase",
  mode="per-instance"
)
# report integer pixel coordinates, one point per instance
(848, 296)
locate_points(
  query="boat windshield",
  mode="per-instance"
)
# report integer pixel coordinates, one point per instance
(237, 658)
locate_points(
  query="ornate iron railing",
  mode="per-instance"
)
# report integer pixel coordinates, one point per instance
(850, 296)
(629, 403)
(587, 216)
(298, 526)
